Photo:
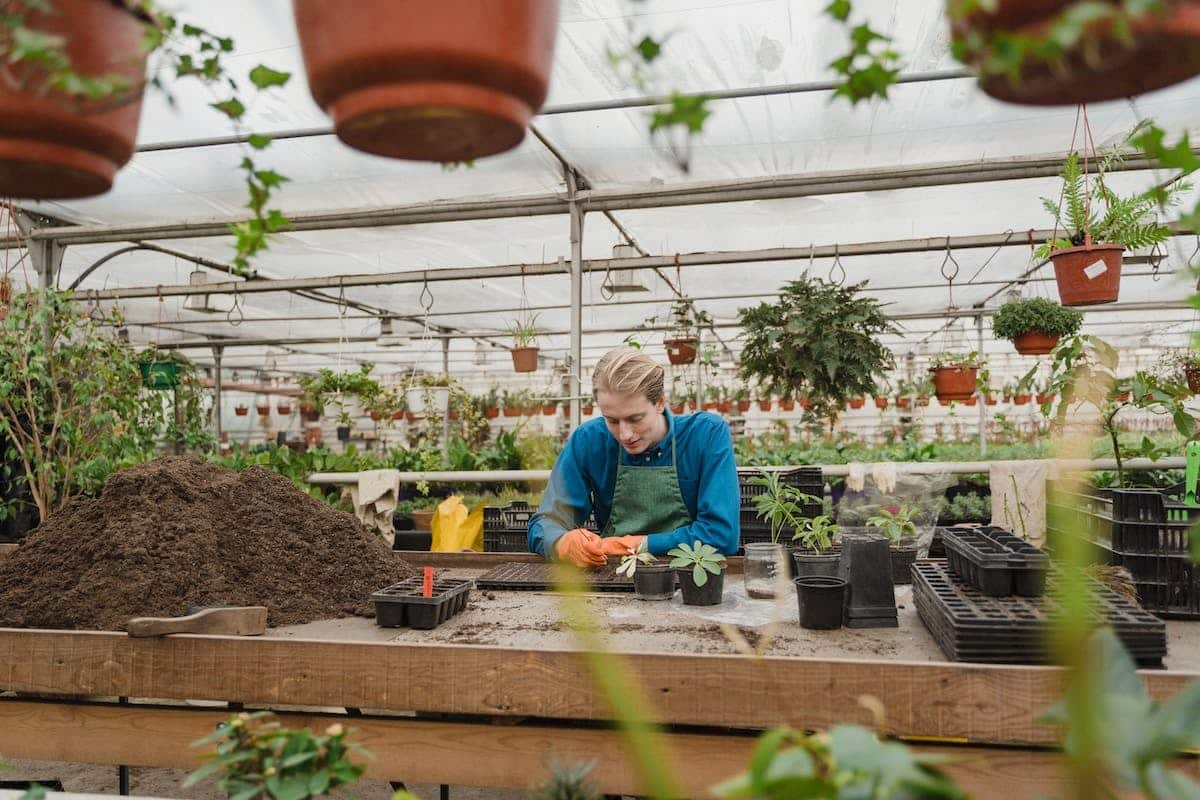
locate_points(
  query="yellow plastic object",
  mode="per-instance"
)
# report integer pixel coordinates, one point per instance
(456, 527)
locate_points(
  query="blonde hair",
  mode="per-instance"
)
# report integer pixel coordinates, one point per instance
(625, 371)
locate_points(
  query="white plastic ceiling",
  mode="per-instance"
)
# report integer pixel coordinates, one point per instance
(713, 44)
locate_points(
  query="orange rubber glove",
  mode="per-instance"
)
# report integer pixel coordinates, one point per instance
(620, 545)
(581, 547)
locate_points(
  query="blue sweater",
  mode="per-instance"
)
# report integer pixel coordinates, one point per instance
(585, 475)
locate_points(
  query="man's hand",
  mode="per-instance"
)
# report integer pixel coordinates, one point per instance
(581, 547)
(620, 545)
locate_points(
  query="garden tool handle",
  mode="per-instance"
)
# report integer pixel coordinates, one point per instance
(1192, 451)
(230, 621)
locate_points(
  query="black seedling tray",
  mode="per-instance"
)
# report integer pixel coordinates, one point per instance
(971, 626)
(539, 577)
(1129, 520)
(401, 604)
(996, 562)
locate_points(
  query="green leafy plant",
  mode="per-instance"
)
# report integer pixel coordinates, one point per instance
(871, 66)
(895, 523)
(1174, 365)
(816, 533)
(327, 385)
(971, 360)
(780, 504)
(847, 763)
(702, 558)
(256, 759)
(524, 331)
(181, 49)
(1127, 221)
(818, 340)
(1035, 314)
(630, 562)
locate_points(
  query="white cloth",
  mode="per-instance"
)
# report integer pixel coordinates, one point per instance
(374, 499)
(1019, 498)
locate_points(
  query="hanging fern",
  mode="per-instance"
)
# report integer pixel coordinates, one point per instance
(1127, 221)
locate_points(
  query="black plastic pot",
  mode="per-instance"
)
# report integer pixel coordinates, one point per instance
(343, 433)
(412, 540)
(867, 566)
(707, 595)
(822, 600)
(655, 582)
(807, 563)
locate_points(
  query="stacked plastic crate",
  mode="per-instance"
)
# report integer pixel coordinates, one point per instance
(506, 528)
(807, 479)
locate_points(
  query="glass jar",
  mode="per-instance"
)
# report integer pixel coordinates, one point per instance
(761, 568)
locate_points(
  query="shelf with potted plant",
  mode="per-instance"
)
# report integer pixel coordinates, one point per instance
(954, 375)
(1087, 256)
(1034, 325)
(524, 351)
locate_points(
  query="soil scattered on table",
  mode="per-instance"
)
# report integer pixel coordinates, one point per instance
(179, 532)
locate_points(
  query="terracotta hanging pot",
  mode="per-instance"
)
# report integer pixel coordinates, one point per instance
(491, 413)
(922, 400)
(512, 411)
(971, 401)
(57, 147)
(743, 406)
(1043, 398)
(1020, 399)
(903, 402)
(881, 403)
(309, 412)
(285, 409)
(677, 409)
(241, 411)
(1192, 374)
(787, 405)
(1089, 274)
(681, 350)
(587, 410)
(398, 414)
(263, 411)
(448, 81)
(990, 400)
(548, 410)
(1164, 50)
(953, 382)
(764, 405)
(858, 402)
(725, 406)
(1035, 343)
(525, 359)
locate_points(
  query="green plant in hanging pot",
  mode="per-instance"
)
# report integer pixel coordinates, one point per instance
(429, 393)
(350, 392)
(161, 369)
(955, 375)
(819, 340)
(1098, 226)
(1034, 325)
(682, 340)
(524, 332)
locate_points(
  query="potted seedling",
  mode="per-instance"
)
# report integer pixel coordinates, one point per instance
(695, 564)
(741, 396)
(814, 553)
(1088, 273)
(897, 525)
(780, 505)
(524, 351)
(1035, 325)
(652, 579)
(1022, 390)
(954, 375)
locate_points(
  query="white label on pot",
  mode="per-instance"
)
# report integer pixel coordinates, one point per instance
(1095, 269)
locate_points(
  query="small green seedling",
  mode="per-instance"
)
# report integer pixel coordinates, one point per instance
(895, 525)
(817, 533)
(780, 504)
(702, 558)
(629, 562)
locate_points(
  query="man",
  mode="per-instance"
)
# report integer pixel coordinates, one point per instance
(646, 473)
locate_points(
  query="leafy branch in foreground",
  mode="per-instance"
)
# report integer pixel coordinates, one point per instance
(871, 66)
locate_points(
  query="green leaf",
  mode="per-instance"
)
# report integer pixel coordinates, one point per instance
(231, 108)
(264, 77)
(839, 10)
(258, 141)
(699, 576)
(649, 49)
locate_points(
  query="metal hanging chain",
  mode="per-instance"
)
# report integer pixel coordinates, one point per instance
(94, 312)
(1195, 253)
(1157, 255)
(158, 326)
(237, 306)
(949, 270)
(837, 266)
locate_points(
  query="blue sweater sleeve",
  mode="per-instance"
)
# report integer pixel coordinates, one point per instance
(718, 499)
(566, 502)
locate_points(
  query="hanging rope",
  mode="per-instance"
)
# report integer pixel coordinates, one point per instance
(1063, 190)
(949, 270)
(237, 306)
(1156, 257)
(836, 267)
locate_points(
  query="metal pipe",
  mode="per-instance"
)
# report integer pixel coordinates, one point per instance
(982, 405)
(575, 360)
(446, 416)
(893, 247)
(770, 188)
(827, 470)
(217, 353)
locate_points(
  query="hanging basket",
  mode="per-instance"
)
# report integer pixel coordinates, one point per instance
(285, 409)
(525, 359)
(449, 81)
(263, 410)
(241, 411)
(309, 412)
(1035, 343)
(1192, 374)
(159, 374)
(57, 147)
(681, 350)
(1088, 275)
(858, 402)
(881, 403)
(1164, 50)
(953, 382)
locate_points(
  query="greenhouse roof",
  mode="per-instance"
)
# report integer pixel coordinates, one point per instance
(794, 170)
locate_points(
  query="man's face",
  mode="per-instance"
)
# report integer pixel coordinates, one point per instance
(633, 420)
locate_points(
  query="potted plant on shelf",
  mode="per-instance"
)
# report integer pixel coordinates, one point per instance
(1087, 257)
(284, 407)
(549, 405)
(781, 506)
(924, 388)
(954, 375)
(524, 352)
(695, 563)
(388, 88)
(241, 409)
(263, 408)
(898, 526)
(816, 535)
(1022, 389)
(856, 403)
(741, 396)
(819, 340)
(1035, 325)
(652, 579)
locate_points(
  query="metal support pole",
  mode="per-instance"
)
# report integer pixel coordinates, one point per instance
(699, 368)
(982, 402)
(575, 360)
(217, 353)
(446, 416)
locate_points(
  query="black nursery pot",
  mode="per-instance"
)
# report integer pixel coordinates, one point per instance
(822, 599)
(343, 433)
(807, 563)
(654, 582)
(707, 595)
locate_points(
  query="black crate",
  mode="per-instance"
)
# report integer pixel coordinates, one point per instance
(759, 530)
(401, 604)
(1167, 585)
(506, 541)
(514, 515)
(996, 562)
(807, 479)
(1129, 520)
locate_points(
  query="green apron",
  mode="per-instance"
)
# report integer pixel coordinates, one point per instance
(647, 500)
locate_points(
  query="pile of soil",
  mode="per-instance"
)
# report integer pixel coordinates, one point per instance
(179, 532)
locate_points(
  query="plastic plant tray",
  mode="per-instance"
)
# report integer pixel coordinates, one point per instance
(402, 604)
(539, 577)
(996, 562)
(1130, 520)
(506, 541)
(971, 626)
